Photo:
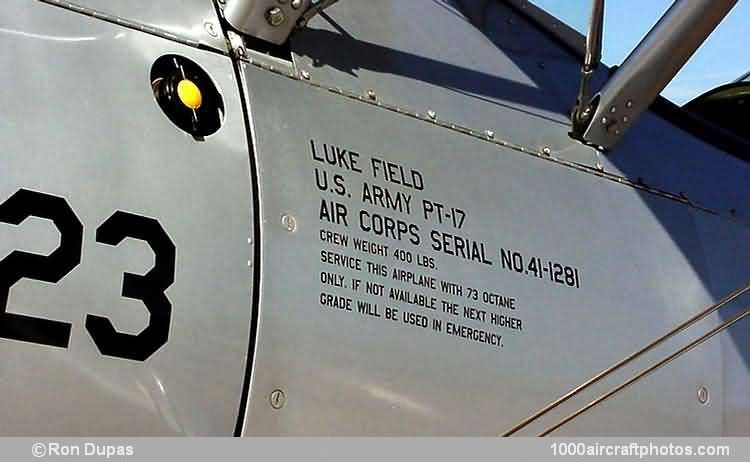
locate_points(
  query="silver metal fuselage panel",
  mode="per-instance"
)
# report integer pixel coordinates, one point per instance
(193, 20)
(349, 369)
(81, 122)
(418, 274)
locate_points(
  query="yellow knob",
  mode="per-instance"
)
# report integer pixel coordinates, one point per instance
(189, 94)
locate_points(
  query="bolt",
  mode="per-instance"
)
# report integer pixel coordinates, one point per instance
(489, 133)
(604, 121)
(289, 223)
(275, 16)
(629, 103)
(432, 114)
(613, 109)
(703, 395)
(210, 29)
(305, 75)
(277, 399)
(546, 150)
(625, 119)
(296, 4)
(371, 94)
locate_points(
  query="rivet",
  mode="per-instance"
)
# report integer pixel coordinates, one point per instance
(305, 75)
(210, 29)
(289, 223)
(613, 109)
(604, 120)
(277, 399)
(625, 119)
(432, 114)
(489, 134)
(546, 150)
(275, 16)
(296, 4)
(371, 94)
(629, 103)
(703, 395)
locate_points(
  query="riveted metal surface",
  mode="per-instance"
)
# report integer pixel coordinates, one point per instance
(467, 78)
(513, 80)
(359, 372)
(191, 19)
(80, 122)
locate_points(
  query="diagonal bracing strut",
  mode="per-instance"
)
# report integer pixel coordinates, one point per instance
(630, 358)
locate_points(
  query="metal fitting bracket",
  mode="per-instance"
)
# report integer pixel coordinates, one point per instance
(650, 67)
(269, 20)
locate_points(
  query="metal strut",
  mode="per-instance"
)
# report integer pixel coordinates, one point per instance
(583, 108)
(632, 357)
(720, 328)
(650, 67)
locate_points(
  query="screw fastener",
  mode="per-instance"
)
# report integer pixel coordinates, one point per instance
(210, 29)
(275, 16)
(703, 395)
(277, 399)
(289, 223)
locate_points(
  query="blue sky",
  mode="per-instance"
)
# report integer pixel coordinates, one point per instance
(722, 58)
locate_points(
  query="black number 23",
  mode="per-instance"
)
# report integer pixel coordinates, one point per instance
(149, 288)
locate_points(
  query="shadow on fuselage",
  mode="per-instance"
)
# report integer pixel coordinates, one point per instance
(653, 152)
